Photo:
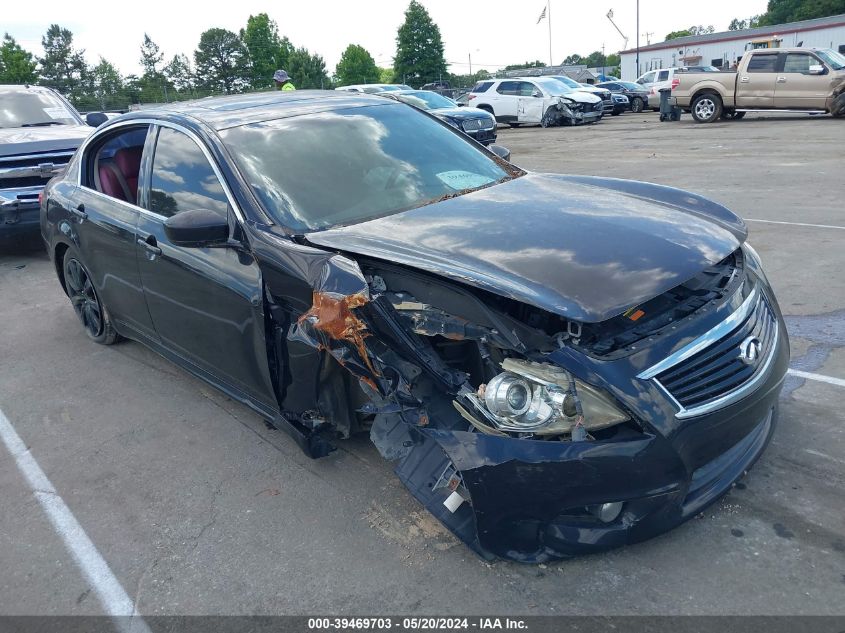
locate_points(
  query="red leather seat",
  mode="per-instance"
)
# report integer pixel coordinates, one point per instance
(119, 176)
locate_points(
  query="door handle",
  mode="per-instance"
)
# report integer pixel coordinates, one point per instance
(781, 80)
(149, 246)
(744, 80)
(79, 212)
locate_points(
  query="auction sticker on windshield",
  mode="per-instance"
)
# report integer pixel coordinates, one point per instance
(459, 180)
(56, 113)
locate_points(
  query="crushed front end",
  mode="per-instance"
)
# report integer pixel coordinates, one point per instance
(532, 437)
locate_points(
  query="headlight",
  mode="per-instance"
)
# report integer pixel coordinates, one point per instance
(753, 261)
(543, 399)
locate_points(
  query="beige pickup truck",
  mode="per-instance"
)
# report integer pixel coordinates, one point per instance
(808, 80)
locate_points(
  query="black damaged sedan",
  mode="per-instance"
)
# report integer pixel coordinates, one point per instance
(557, 364)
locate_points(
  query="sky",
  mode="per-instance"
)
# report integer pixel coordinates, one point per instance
(488, 34)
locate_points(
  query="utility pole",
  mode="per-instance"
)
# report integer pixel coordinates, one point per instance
(603, 62)
(549, 16)
(638, 38)
(469, 55)
(647, 36)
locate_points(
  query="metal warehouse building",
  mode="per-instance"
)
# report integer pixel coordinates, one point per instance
(722, 49)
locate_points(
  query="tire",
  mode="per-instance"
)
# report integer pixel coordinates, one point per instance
(86, 303)
(637, 105)
(706, 108)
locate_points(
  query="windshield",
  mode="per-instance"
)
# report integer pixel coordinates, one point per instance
(31, 108)
(630, 85)
(568, 82)
(553, 86)
(326, 169)
(426, 100)
(834, 59)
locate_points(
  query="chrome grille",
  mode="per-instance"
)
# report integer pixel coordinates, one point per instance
(31, 169)
(472, 124)
(724, 364)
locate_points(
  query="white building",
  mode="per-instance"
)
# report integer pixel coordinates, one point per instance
(722, 49)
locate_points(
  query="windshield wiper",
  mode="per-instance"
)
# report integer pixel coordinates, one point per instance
(42, 124)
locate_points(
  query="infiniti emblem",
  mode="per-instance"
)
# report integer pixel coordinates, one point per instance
(749, 350)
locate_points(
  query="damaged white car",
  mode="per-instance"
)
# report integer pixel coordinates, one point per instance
(536, 100)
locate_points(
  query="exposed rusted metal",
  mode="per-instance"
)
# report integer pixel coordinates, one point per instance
(332, 315)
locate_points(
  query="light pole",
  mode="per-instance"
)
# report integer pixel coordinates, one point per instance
(469, 55)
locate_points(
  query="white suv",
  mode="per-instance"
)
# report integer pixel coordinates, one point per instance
(655, 80)
(540, 100)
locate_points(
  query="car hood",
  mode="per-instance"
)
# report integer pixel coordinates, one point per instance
(462, 114)
(585, 248)
(581, 96)
(31, 140)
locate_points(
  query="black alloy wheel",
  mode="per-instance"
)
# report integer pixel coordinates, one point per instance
(85, 302)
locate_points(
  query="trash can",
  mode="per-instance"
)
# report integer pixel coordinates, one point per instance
(668, 110)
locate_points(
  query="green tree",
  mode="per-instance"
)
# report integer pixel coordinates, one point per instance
(107, 86)
(693, 30)
(62, 67)
(307, 70)
(356, 66)
(153, 85)
(385, 75)
(151, 56)
(267, 51)
(178, 72)
(222, 62)
(17, 66)
(534, 64)
(781, 11)
(419, 48)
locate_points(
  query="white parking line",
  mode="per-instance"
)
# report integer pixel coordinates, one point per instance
(839, 382)
(815, 226)
(111, 594)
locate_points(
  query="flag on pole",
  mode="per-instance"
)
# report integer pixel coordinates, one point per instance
(542, 16)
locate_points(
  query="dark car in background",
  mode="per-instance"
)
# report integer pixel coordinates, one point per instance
(474, 122)
(557, 364)
(39, 132)
(637, 94)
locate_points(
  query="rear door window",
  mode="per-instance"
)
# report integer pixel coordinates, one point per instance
(182, 178)
(663, 75)
(762, 63)
(482, 86)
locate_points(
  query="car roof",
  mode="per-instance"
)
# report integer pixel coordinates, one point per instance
(19, 87)
(221, 113)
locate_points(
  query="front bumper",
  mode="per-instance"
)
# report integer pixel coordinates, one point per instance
(533, 501)
(19, 211)
(483, 136)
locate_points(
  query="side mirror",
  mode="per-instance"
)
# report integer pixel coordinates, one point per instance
(201, 227)
(502, 152)
(817, 69)
(537, 94)
(95, 119)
